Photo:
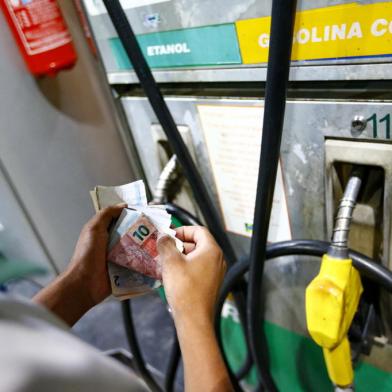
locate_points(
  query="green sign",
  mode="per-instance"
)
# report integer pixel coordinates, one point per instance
(296, 362)
(201, 46)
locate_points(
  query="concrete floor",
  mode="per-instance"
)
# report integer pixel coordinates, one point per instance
(103, 326)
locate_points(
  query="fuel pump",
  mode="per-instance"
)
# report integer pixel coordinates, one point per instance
(154, 95)
(302, 143)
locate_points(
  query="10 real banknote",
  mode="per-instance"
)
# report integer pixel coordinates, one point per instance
(134, 267)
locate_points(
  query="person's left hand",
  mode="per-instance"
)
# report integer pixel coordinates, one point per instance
(88, 263)
(85, 282)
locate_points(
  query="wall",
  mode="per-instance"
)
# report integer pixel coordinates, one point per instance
(58, 139)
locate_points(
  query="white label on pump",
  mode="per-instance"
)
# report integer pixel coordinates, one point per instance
(97, 7)
(233, 139)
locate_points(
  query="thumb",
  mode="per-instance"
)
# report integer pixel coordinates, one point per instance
(167, 248)
(104, 217)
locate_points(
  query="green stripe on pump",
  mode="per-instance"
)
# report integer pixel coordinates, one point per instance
(201, 46)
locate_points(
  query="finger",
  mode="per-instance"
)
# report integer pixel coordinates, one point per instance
(196, 234)
(106, 215)
(167, 249)
(189, 247)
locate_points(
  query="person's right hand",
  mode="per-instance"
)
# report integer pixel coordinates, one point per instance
(192, 280)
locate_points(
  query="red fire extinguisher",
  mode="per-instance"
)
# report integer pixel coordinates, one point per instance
(41, 34)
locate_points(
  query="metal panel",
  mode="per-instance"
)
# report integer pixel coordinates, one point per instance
(302, 150)
(302, 153)
(180, 14)
(254, 74)
(307, 124)
(186, 14)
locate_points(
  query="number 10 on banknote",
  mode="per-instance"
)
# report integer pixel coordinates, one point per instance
(137, 249)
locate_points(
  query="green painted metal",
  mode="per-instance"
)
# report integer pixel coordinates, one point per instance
(297, 363)
(202, 46)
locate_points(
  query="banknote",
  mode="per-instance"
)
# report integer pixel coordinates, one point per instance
(125, 282)
(134, 194)
(137, 249)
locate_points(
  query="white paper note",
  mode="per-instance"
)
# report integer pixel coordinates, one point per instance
(233, 138)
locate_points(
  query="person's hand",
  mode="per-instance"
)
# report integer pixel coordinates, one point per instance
(88, 263)
(192, 280)
(85, 282)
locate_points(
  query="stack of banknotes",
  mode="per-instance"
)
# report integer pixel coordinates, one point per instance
(133, 262)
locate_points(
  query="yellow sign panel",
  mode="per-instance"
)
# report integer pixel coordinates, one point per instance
(350, 30)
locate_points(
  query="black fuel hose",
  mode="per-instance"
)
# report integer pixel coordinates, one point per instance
(281, 38)
(366, 267)
(185, 217)
(140, 364)
(248, 361)
(246, 367)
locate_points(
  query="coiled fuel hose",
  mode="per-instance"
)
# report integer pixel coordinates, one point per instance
(366, 266)
(277, 77)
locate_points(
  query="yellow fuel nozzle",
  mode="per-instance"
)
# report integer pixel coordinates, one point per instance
(331, 302)
(333, 295)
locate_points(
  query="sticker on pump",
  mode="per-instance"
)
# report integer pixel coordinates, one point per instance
(97, 7)
(233, 139)
(330, 33)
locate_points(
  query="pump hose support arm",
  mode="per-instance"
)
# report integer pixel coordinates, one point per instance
(281, 37)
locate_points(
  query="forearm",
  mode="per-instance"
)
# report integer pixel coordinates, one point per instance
(66, 298)
(204, 368)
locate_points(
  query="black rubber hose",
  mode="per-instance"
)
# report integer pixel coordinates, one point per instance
(154, 95)
(182, 215)
(365, 266)
(281, 37)
(248, 362)
(135, 348)
(246, 366)
(172, 366)
(240, 302)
